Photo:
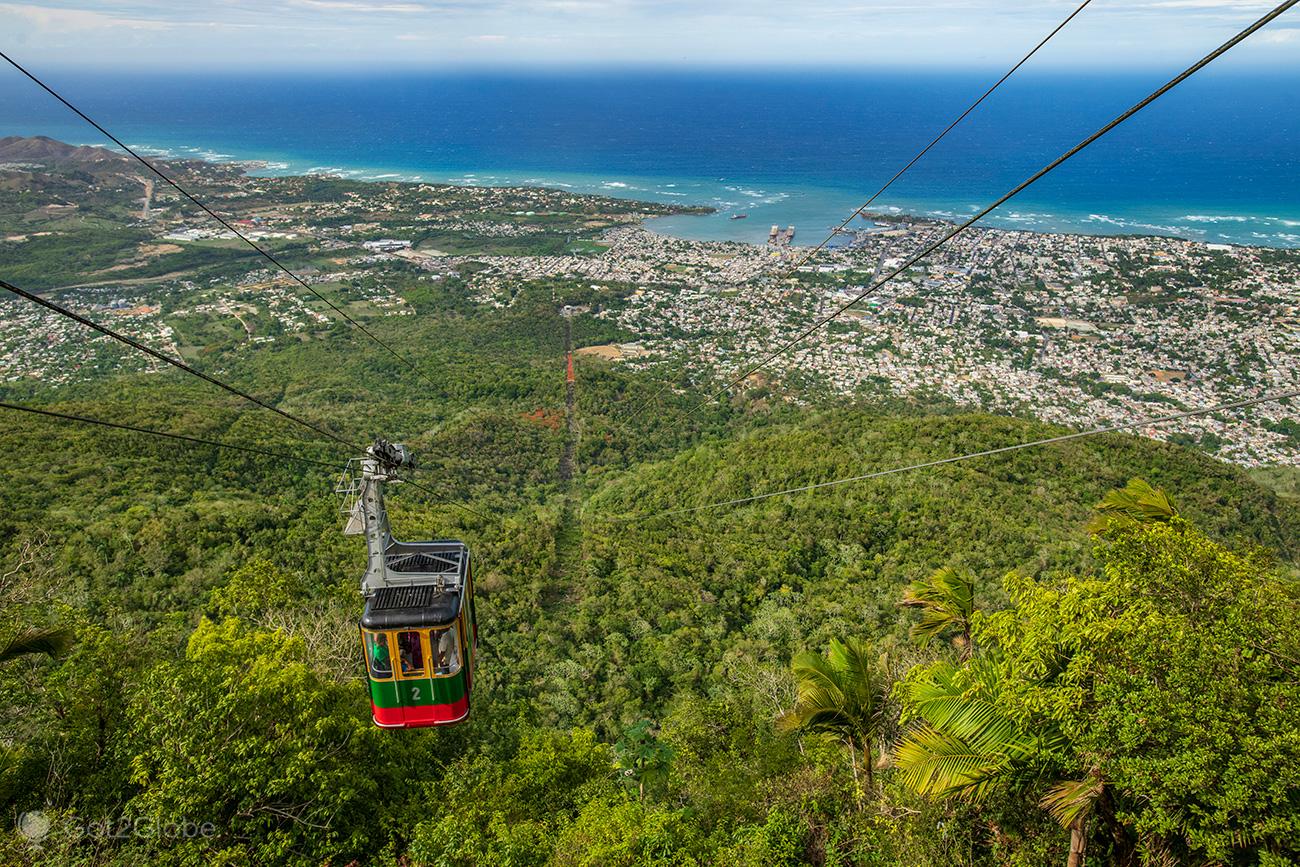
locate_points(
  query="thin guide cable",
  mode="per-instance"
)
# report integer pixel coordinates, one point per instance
(803, 260)
(214, 215)
(81, 419)
(1240, 404)
(440, 500)
(180, 365)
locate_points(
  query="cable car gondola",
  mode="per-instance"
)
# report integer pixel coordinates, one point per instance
(418, 631)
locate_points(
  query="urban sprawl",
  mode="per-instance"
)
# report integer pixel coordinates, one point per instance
(1077, 330)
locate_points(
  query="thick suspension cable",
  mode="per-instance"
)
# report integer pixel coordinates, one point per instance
(1277, 11)
(180, 365)
(806, 257)
(135, 344)
(214, 215)
(1078, 435)
(63, 416)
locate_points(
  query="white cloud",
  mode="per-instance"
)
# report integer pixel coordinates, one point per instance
(720, 32)
(360, 6)
(74, 20)
(1279, 37)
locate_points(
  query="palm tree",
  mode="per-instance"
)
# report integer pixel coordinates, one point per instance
(1071, 802)
(946, 600)
(51, 642)
(1135, 503)
(843, 693)
(962, 745)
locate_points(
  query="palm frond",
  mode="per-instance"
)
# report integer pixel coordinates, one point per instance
(1070, 801)
(932, 762)
(51, 642)
(963, 744)
(842, 692)
(945, 599)
(816, 676)
(1136, 503)
(819, 698)
(979, 678)
(978, 724)
(862, 678)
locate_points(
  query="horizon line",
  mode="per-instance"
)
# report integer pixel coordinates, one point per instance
(579, 67)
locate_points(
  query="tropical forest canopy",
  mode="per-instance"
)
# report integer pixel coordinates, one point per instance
(968, 664)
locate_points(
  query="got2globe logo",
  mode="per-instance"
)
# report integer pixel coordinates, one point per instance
(37, 826)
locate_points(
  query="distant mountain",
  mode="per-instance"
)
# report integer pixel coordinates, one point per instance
(49, 152)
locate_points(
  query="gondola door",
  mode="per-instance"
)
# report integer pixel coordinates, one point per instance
(414, 687)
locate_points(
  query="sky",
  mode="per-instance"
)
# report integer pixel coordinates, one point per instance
(257, 34)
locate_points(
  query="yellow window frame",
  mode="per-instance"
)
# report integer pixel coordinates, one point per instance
(459, 626)
(426, 645)
(389, 639)
(426, 671)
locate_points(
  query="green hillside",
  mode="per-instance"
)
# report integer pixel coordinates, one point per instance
(181, 684)
(632, 670)
(765, 580)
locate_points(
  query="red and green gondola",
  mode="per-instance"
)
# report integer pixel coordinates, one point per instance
(419, 635)
(419, 646)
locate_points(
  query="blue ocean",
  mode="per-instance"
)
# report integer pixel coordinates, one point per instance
(1218, 159)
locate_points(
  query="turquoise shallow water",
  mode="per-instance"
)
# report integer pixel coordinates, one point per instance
(1218, 159)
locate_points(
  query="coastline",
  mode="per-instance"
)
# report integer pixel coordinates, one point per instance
(1218, 165)
(814, 211)
(1071, 329)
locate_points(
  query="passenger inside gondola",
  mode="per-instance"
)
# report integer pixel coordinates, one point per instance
(411, 652)
(447, 656)
(380, 664)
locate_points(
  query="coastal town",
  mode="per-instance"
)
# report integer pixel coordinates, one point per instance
(1077, 330)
